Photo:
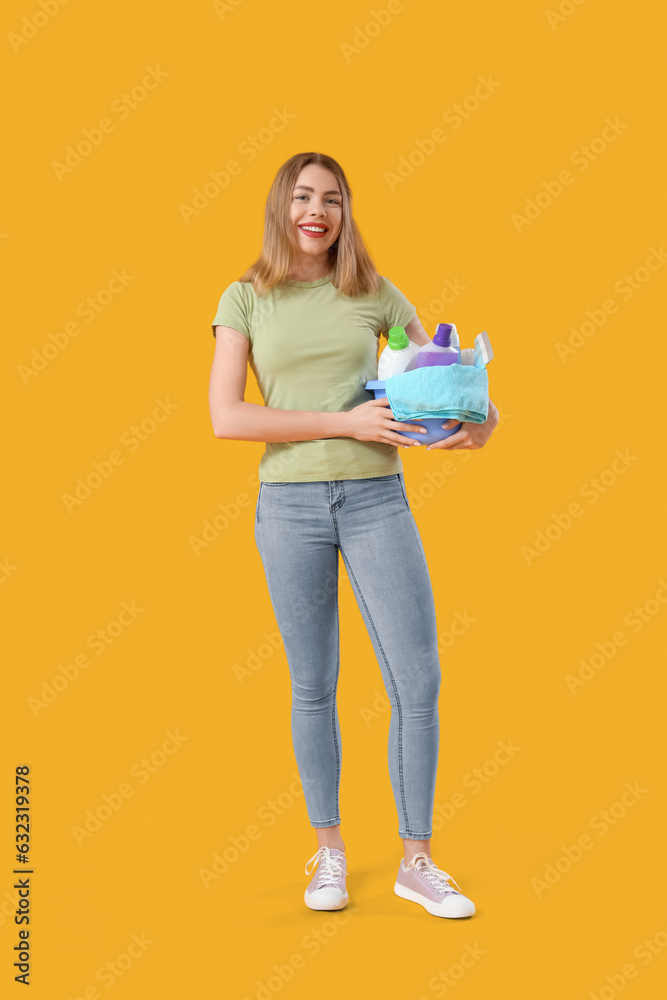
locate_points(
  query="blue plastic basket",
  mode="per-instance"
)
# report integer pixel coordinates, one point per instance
(434, 429)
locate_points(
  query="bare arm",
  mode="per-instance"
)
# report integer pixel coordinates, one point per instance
(416, 332)
(232, 417)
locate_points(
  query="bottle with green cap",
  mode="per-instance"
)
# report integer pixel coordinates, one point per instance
(398, 353)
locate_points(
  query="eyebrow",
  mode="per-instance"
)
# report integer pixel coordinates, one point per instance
(306, 188)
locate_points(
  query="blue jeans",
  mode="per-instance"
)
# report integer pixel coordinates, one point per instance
(299, 529)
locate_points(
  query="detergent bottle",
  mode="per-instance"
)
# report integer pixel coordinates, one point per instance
(444, 349)
(399, 351)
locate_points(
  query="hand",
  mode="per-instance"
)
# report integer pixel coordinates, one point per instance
(374, 421)
(470, 435)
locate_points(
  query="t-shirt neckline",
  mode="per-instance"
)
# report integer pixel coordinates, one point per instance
(308, 284)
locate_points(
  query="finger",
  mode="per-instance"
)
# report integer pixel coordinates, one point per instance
(410, 428)
(466, 443)
(383, 401)
(404, 441)
(451, 441)
(415, 427)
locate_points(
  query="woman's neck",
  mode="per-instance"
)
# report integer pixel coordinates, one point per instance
(310, 270)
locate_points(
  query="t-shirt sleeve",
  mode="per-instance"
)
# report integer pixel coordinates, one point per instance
(233, 310)
(396, 310)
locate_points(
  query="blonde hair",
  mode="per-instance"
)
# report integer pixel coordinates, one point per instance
(352, 269)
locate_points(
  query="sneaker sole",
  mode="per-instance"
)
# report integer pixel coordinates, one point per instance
(430, 905)
(334, 906)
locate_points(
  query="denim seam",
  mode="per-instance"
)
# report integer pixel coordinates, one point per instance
(333, 711)
(389, 671)
(416, 532)
(403, 492)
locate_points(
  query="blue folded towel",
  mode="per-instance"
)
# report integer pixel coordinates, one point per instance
(447, 391)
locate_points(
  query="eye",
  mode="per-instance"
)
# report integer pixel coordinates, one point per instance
(334, 200)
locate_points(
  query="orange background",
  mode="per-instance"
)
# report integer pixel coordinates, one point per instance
(367, 88)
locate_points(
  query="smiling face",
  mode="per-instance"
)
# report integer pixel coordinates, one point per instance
(317, 205)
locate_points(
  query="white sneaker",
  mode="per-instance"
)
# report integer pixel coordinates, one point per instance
(421, 882)
(327, 889)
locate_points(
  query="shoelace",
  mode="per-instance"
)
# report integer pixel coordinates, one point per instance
(435, 876)
(329, 870)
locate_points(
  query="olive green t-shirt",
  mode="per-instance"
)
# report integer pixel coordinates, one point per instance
(313, 348)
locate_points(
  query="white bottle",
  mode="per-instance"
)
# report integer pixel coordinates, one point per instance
(398, 353)
(444, 349)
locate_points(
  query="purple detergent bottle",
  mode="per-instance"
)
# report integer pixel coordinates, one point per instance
(444, 349)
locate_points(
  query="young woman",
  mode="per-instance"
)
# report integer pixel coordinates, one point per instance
(307, 316)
